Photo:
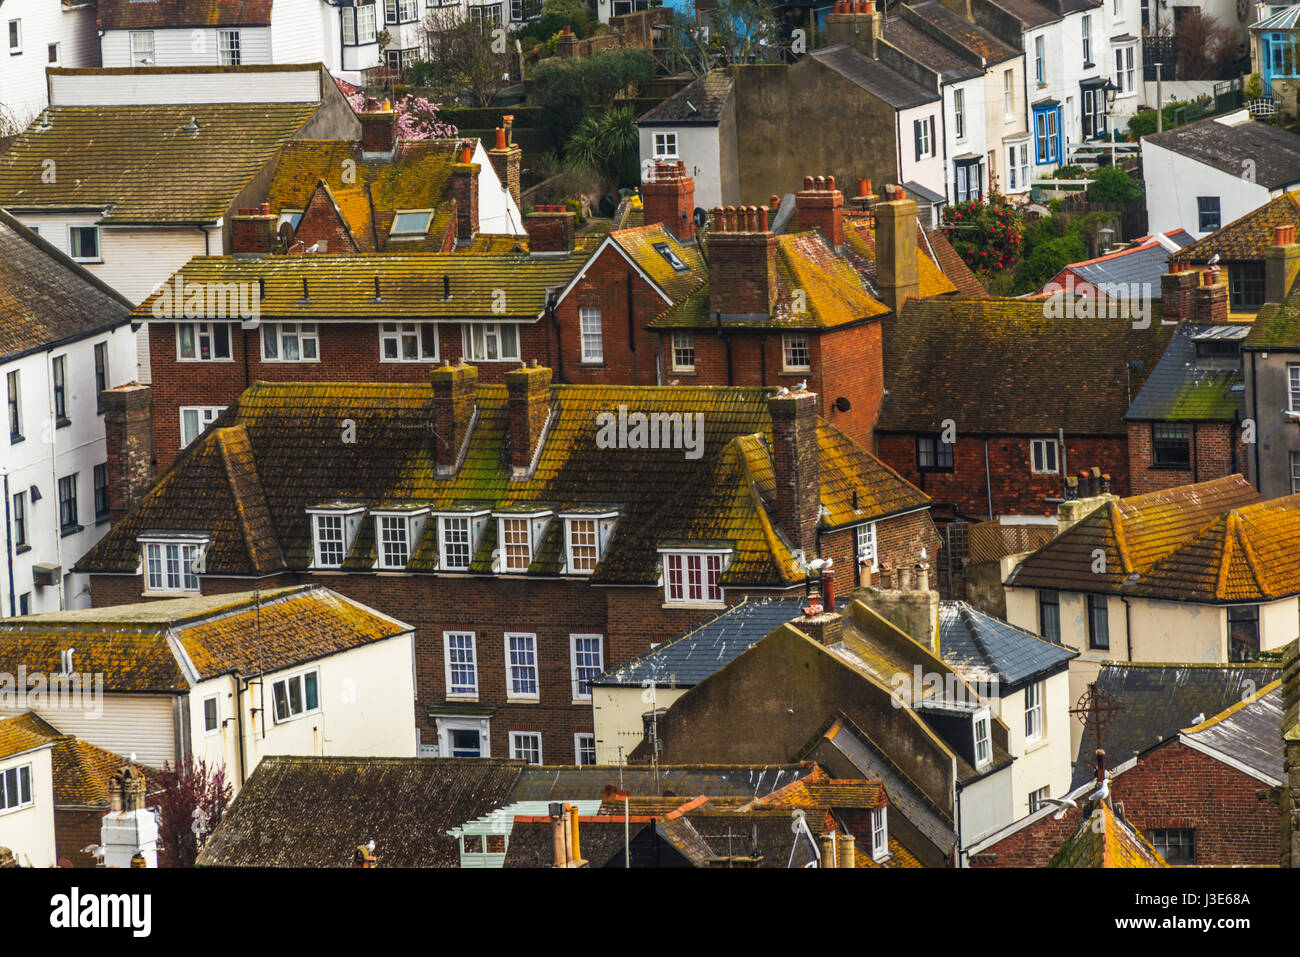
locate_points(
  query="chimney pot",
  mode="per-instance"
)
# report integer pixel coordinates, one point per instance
(807, 182)
(774, 202)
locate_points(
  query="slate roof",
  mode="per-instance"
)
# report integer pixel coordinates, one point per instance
(1274, 152)
(1177, 390)
(981, 648)
(972, 36)
(163, 14)
(873, 76)
(1213, 542)
(699, 103)
(81, 770)
(1245, 238)
(1029, 12)
(576, 783)
(131, 645)
(1000, 366)
(1161, 699)
(915, 43)
(1110, 841)
(1143, 262)
(45, 297)
(141, 164)
(294, 460)
(1249, 732)
(315, 811)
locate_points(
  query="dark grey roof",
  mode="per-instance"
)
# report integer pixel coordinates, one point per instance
(957, 29)
(1177, 390)
(1159, 700)
(873, 76)
(315, 811)
(699, 103)
(916, 191)
(1029, 12)
(983, 648)
(1250, 734)
(1274, 152)
(1145, 263)
(45, 297)
(569, 783)
(927, 51)
(690, 658)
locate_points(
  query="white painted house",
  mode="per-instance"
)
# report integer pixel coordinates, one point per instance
(26, 795)
(66, 337)
(225, 678)
(38, 34)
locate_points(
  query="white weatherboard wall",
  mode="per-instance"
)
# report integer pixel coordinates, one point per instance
(1174, 182)
(47, 453)
(43, 22)
(985, 805)
(144, 88)
(29, 831)
(187, 46)
(497, 212)
(139, 724)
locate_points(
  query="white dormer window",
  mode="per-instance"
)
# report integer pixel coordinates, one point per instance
(585, 538)
(693, 577)
(333, 531)
(879, 834)
(172, 565)
(396, 535)
(458, 538)
(983, 742)
(866, 542)
(518, 537)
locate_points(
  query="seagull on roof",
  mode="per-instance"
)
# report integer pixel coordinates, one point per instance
(1103, 790)
(1064, 804)
(313, 248)
(1200, 716)
(784, 392)
(1213, 260)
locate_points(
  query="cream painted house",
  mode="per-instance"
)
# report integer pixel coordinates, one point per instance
(226, 678)
(26, 795)
(1204, 573)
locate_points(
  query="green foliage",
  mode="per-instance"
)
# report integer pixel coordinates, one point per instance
(1048, 259)
(1113, 185)
(986, 234)
(1254, 87)
(607, 143)
(1070, 172)
(1143, 123)
(556, 15)
(729, 32)
(567, 90)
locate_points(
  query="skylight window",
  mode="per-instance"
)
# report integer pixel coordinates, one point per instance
(670, 257)
(410, 224)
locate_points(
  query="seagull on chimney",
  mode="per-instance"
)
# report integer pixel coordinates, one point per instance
(784, 392)
(370, 845)
(802, 386)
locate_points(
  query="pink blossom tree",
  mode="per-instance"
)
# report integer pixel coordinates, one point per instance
(417, 118)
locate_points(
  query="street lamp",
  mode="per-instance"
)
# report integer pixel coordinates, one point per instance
(1111, 90)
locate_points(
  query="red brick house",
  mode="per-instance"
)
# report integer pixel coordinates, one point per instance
(1194, 795)
(531, 532)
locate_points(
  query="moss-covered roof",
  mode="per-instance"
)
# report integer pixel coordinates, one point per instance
(1103, 839)
(1245, 239)
(639, 243)
(1180, 389)
(1277, 325)
(144, 164)
(295, 436)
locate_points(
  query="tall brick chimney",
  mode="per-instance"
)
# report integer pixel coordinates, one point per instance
(378, 127)
(1176, 287)
(1281, 264)
(796, 463)
(896, 226)
(450, 412)
(864, 201)
(550, 229)
(1210, 300)
(857, 23)
(742, 261)
(821, 206)
(529, 397)
(668, 197)
(506, 158)
(128, 433)
(464, 189)
(253, 230)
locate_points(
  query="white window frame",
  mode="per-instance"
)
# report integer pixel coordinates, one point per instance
(300, 677)
(506, 565)
(1009, 94)
(207, 414)
(22, 773)
(516, 738)
(879, 833)
(511, 693)
(411, 523)
(1085, 27)
(921, 133)
(1040, 60)
(12, 35)
(959, 113)
(176, 574)
(367, 25)
(681, 343)
(445, 563)
(139, 50)
(478, 351)
(575, 680)
(789, 342)
(665, 145)
(1038, 455)
(700, 556)
(865, 544)
(1295, 473)
(592, 335)
(481, 726)
(301, 334)
(216, 728)
(73, 230)
(395, 233)
(982, 720)
(1035, 727)
(205, 330)
(349, 523)
(1124, 74)
(570, 564)
(1038, 798)
(450, 687)
(318, 523)
(229, 43)
(400, 334)
(578, 739)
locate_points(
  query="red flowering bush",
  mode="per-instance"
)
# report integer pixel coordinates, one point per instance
(987, 234)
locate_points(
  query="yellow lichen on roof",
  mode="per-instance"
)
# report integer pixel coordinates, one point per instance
(639, 244)
(17, 737)
(833, 289)
(1102, 839)
(931, 280)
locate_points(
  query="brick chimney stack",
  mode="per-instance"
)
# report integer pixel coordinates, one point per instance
(378, 128)
(128, 833)
(821, 206)
(529, 397)
(1281, 264)
(1176, 288)
(668, 197)
(742, 260)
(796, 464)
(864, 202)
(506, 158)
(550, 229)
(896, 226)
(253, 230)
(464, 188)
(128, 433)
(1210, 300)
(857, 23)
(450, 412)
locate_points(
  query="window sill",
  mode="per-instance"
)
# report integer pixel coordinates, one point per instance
(1153, 467)
(183, 359)
(462, 699)
(101, 519)
(22, 549)
(295, 717)
(796, 370)
(934, 471)
(70, 530)
(511, 699)
(688, 605)
(395, 362)
(592, 365)
(1037, 745)
(289, 362)
(88, 262)
(1052, 472)
(690, 371)
(168, 594)
(15, 438)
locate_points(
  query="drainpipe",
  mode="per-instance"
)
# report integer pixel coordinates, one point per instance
(631, 326)
(988, 479)
(1232, 438)
(9, 550)
(239, 729)
(559, 338)
(1254, 411)
(1195, 471)
(1128, 629)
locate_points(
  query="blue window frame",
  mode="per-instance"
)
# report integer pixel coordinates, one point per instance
(1047, 135)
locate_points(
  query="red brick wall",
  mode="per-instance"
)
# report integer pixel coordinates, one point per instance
(898, 541)
(1172, 787)
(1213, 456)
(74, 830)
(321, 222)
(1016, 490)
